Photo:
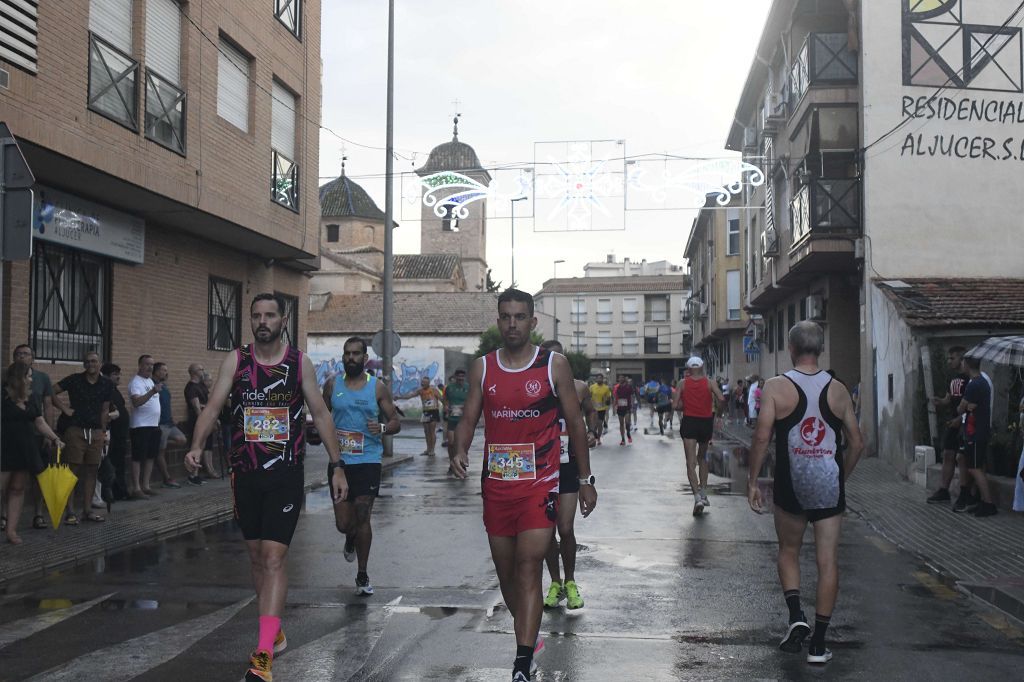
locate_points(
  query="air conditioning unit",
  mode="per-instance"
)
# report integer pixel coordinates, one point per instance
(769, 243)
(815, 304)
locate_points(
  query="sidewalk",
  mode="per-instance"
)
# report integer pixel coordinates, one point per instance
(983, 557)
(171, 513)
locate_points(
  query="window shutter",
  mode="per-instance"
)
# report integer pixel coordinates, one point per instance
(112, 21)
(163, 38)
(282, 129)
(233, 86)
(18, 32)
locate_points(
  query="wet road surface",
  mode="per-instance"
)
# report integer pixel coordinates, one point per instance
(668, 597)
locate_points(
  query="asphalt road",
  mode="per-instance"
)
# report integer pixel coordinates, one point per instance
(668, 597)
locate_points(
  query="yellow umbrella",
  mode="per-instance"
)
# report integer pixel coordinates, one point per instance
(56, 483)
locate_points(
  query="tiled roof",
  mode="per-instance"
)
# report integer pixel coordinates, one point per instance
(613, 285)
(426, 266)
(341, 198)
(452, 156)
(948, 302)
(347, 262)
(414, 313)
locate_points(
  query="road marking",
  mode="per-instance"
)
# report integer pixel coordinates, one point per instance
(133, 657)
(1003, 625)
(26, 627)
(938, 589)
(884, 545)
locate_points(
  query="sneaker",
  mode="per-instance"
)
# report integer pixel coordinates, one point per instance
(195, 480)
(350, 550)
(704, 499)
(520, 676)
(259, 667)
(986, 509)
(170, 483)
(698, 507)
(555, 594)
(622, 442)
(630, 439)
(960, 506)
(818, 654)
(538, 649)
(363, 586)
(573, 600)
(280, 642)
(794, 639)
(939, 496)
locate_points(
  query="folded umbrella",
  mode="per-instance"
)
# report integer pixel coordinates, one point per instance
(56, 482)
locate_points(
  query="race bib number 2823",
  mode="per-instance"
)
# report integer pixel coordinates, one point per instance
(266, 424)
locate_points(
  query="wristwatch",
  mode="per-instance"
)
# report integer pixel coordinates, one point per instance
(589, 480)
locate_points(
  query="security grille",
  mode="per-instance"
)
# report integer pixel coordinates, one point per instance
(224, 328)
(18, 33)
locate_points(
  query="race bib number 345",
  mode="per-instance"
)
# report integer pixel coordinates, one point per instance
(266, 424)
(511, 462)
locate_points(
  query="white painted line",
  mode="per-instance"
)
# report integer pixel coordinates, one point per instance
(131, 658)
(339, 654)
(26, 627)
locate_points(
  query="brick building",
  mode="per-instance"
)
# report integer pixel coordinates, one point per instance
(170, 144)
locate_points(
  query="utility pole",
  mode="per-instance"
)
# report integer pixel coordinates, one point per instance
(389, 256)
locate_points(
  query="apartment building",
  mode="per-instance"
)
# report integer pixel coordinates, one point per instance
(888, 132)
(637, 325)
(174, 147)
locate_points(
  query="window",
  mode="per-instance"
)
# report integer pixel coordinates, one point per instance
(450, 220)
(604, 310)
(70, 303)
(290, 334)
(732, 293)
(285, 181)
(630, 343)
(656, 308)
(684, 307)
(578, 313)
(604, 342)
(579, 342)
(732, 243)
(289, 13)
(791, 315)
(630, 310)
(332, 233)
(165, 100)
(224, 325)
(18, 33)
(803, 309)
(113, 74)
(233, 86)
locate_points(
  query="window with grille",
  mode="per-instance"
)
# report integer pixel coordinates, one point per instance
(604, 310)
(70, 294)
(165, 99)
(18, 33)
(113, 74)
(224, 326)
(289, 13)
(630, 310)
(284, 188)
(290, 334)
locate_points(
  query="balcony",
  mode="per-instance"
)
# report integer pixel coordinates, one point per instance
(826, 224)
(824, 59)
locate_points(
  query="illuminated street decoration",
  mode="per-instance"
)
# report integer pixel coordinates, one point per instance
(579, 186)
(450, 193)
(680, 184)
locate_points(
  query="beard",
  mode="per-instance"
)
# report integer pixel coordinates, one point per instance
(354, 369)
(266, 334)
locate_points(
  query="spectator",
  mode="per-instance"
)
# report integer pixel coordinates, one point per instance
(738, 404)
(753, 399)
(169, 431)
(42, 397)
(145, 427)
(976, 406)
(18, 450)
(89, 396)
(117, 446)
(197, 394)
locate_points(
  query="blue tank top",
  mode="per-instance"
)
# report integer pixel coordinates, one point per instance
(350, 410)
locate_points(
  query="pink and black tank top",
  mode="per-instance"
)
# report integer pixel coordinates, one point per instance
(267, 421)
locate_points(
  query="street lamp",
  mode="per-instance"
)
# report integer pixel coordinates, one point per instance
(554, 291)
(513, 252)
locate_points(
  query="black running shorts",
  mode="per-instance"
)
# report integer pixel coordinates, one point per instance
(700, 429)
(976, 453)
(145, 442)
(363, 480)
(267, 503)
(951, 439)
(622, 411)
(569, 478)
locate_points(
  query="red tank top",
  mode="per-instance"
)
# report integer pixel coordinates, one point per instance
(521, 428)
(696, 398)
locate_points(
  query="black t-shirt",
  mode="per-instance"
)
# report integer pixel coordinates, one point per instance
(17, 439)
(86, 398)
(195, 389)
(978, 424)
(119, 426)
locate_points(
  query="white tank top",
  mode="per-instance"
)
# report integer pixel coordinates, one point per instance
(812, 445)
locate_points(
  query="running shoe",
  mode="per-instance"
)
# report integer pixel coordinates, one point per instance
(556, 593)
(573, 600)
(520, 676)
(350, 550)
(960, 506)
(259, 667)
(818, 654)
(986, 509)
(280, 642)
(630, 439)
(170, 483)
(939, 496)
(538, 648)
(622, 442)
(698, 507)
(704, 499)
(195, 480)
(794, 639)
(363, 586)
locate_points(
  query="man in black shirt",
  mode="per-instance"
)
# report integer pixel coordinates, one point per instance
(976, 406)
(89, 395)
(950, 426)
(117, 448)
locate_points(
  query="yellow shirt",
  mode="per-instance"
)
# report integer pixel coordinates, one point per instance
(600, 395)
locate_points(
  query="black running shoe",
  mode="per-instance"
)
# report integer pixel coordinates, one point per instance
(794, 639)
(939, 496)
(986, 509)
(960, 506)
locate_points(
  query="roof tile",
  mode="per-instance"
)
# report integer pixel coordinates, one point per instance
(948, 302)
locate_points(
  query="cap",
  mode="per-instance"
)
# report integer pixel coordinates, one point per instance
(694, 362)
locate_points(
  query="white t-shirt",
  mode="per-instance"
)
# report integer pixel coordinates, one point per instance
(148, 413)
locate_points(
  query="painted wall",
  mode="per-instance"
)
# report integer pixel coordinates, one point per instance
(898, 356)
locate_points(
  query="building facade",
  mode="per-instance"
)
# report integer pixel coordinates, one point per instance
(171, 144)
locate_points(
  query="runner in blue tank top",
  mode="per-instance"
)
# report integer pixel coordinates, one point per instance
(811, 414)
(358, 402)
(269, 382)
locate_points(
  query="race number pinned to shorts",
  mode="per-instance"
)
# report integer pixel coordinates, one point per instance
(266, 424)
(563, 440)
(511, 462)
(351, 442)
(429, 404)
(427, 417)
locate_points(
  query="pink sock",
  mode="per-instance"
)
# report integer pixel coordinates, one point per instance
(269, 627)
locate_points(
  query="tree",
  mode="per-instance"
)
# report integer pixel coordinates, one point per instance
(491, 340)
(491, 285)
(580, 365)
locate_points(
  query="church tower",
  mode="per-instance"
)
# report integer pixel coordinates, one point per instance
(465, 236)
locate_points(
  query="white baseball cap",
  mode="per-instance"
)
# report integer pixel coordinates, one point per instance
(695, 362)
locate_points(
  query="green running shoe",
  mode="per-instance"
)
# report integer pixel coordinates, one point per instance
(573, 600)
(556, 593)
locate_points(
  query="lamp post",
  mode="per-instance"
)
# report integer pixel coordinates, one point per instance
(554, 291)
(513, 251)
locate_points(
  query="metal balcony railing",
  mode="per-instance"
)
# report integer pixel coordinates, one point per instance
(824, 58)
(826, 205)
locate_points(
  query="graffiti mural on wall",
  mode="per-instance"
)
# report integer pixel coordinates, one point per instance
(411, 365)
(962, 44)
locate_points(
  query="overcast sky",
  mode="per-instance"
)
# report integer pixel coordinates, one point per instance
(663, 75)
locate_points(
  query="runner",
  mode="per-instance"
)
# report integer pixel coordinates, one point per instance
(454, 403)
(650, 391)
(698, 398)
(430, 399)
(568, 497)
(268, 382)
(635, 405)
(672, 402)
(810, 475)
(519, 388)
(663, 404)
(356, 404)
(624, 401)
(601, 399)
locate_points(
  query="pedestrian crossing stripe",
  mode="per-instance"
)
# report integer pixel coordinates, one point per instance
(26, 627)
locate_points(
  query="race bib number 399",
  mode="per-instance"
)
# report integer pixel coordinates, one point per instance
(351, 442)
(266, 424)
(511, 462)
